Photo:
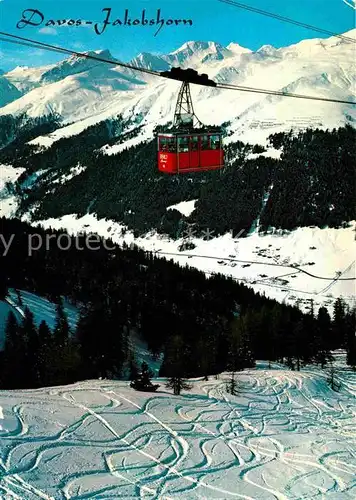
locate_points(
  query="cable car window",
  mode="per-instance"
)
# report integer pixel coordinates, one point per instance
(205, 142)
(171, 145)
(194, 143)
(163, 144)
(215, 142)
(183, 144)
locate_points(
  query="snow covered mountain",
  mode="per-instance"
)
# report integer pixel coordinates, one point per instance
(85, 92)
(25, 78)
(81, 89)
(8, 92)
(73, 88)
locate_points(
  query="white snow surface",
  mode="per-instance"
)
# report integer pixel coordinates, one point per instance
(285, 436)
(8, 203)
(86, 93)
(274, 264)
(184, 207)
(74, 171)
(9, 174)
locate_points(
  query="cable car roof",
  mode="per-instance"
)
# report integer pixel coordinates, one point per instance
(187, 133)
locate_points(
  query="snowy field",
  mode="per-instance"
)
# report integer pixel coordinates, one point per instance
(286, 436)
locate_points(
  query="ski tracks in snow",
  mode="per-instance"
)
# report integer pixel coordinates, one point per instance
(285, 436)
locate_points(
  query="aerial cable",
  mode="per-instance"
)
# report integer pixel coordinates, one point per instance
(54, 48)
(279, 93)
(286, 20)
(78, 54)
(230, 259)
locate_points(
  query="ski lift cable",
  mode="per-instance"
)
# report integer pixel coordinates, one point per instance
(259, 282)
(33, 43)
(287, 20)
(280, 93)
(337, 278)
(230, 259)
(48, 46)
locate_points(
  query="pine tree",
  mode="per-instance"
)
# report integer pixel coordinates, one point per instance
(231, 385)
(19, 298)
(61, 329)
(142, 381)
(133, 369)
(298, 347)
(30, 341)
(278, 333)
(3, 284)
(99, 337)
(206, 355)
(46, 346)
(323, 338)
(62, 366)
(350, 325)
(146, 372)
(306, 339)
(12, 368)
(339, 335)
(240, 355)
(351, 351)
(12, 340)
(331, 380)
(265, 341)
(324, 327)
(174, 361)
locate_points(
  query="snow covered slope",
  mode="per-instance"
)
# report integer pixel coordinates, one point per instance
(8, 202)
(8, 92)
(44, 310)
(79, 89)
(286, 436)
(26, 78)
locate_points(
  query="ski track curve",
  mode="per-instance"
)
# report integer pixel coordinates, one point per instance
(284, 436)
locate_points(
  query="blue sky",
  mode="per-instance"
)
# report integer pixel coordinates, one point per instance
(211, 19)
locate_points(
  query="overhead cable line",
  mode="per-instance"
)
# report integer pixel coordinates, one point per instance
(230, 259)
(259, 282)
(287, 20)
(33, 43)
(281, 93)
(78, 54)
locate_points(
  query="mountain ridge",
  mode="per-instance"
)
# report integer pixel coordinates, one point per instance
(81, 90)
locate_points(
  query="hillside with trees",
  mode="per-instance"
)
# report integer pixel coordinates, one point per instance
(202, 325)
(311, 184)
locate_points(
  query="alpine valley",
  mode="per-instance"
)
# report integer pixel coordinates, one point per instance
(78, 152)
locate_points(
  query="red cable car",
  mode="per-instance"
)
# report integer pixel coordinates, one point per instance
(190, 147)
(189, 152)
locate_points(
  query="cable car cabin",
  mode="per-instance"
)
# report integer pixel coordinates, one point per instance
(180, 153)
